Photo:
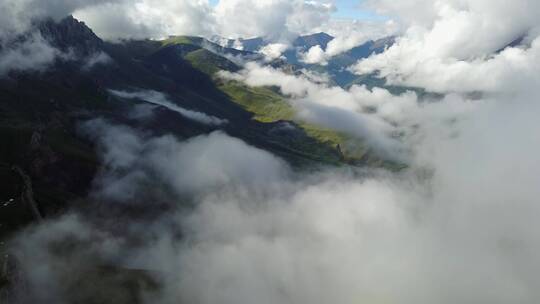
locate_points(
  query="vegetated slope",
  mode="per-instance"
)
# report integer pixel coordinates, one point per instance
(268, 106)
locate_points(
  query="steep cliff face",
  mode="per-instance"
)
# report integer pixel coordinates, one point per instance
(38, 124)
(71, 36)
(309, 41)
(13, 284)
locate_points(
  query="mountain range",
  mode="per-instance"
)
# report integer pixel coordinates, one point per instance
(336, 67)
(45, 154)
(48, 163)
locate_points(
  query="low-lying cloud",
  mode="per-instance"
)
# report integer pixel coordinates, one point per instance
(369, 115)
(161, 99)
(134, 160)
(453, 227)
(348, 35)
(33, 54)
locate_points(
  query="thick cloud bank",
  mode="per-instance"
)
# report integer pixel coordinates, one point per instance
(276, 20)
(453, 46)
(199, 165)
(456, 226)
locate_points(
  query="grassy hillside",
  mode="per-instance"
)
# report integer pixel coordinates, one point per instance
(268, 106)
(208, 62)
(177, 40)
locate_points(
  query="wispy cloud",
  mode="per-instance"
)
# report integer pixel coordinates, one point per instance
(161, 99)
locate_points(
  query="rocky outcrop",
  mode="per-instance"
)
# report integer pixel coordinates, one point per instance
(71, 37)
(12, 282)
(309, 41)
(340, 153)
(27, 195)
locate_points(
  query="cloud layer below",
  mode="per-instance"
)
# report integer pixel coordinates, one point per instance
(454, 226)
(459, 225)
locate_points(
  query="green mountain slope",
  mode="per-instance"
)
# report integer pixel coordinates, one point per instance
(268, 106)
(40, 113)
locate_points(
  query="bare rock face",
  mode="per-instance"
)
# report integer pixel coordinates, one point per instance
(4, 282)
(28, 193)
(71, 36)
(309, 41)
(12, 283)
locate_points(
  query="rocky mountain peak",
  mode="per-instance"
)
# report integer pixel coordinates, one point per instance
(312, 40)
(69, 34)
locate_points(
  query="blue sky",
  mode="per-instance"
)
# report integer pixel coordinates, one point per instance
(350, 9)
(347, 9)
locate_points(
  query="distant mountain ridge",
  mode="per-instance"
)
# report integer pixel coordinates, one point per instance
(308, 41)
(255, 44)
(336, 68)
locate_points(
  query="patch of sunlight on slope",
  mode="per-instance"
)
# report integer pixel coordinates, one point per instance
(268, 106)
(176, 40)
(208, 62)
